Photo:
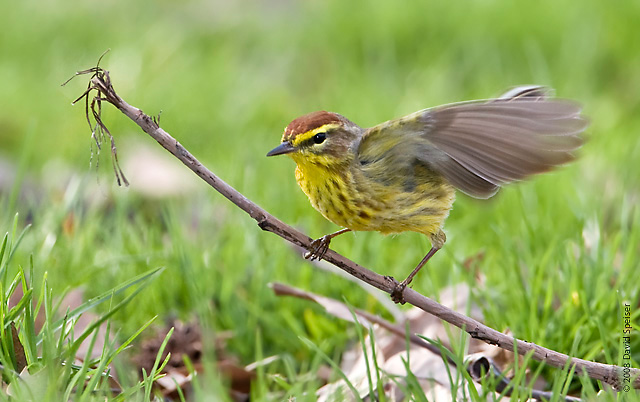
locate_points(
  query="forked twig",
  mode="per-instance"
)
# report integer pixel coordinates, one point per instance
(101, 83)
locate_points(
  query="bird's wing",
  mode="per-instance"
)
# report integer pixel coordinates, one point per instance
(480, 145)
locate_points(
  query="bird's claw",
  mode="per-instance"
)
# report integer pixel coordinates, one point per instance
(318, 248)
(397, 294)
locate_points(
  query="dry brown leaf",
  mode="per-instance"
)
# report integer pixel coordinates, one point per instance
(18, 349)
(187, 341)
(174, 379)
(239, 376)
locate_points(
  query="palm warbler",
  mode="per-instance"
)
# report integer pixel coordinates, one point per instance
(401, 175)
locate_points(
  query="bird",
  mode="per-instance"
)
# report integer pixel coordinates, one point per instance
(402, 175)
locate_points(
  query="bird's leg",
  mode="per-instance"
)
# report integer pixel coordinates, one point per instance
(320, 246)
(437, 241)
(396, 294)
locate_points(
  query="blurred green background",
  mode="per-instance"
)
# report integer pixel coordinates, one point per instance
(559, 251)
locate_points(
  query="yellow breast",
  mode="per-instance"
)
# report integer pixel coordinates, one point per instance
(348, 198)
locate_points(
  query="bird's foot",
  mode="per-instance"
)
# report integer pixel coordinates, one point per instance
(397, 294)
(318, 248)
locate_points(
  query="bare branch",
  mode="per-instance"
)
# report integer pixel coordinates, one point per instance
(610, 374)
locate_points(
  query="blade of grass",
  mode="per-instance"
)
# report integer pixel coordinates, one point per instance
(81, 373)
(149, 379)
(13, 246)
(91, 303)
(363, 345)
(333, 365)
(126, 343)
(144, 279)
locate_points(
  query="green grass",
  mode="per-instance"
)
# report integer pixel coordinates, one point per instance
(39, 358)
(560, 252)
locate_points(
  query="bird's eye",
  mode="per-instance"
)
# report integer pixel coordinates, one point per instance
(319, 138)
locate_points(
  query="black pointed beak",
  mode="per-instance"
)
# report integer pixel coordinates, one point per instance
(281, 149)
